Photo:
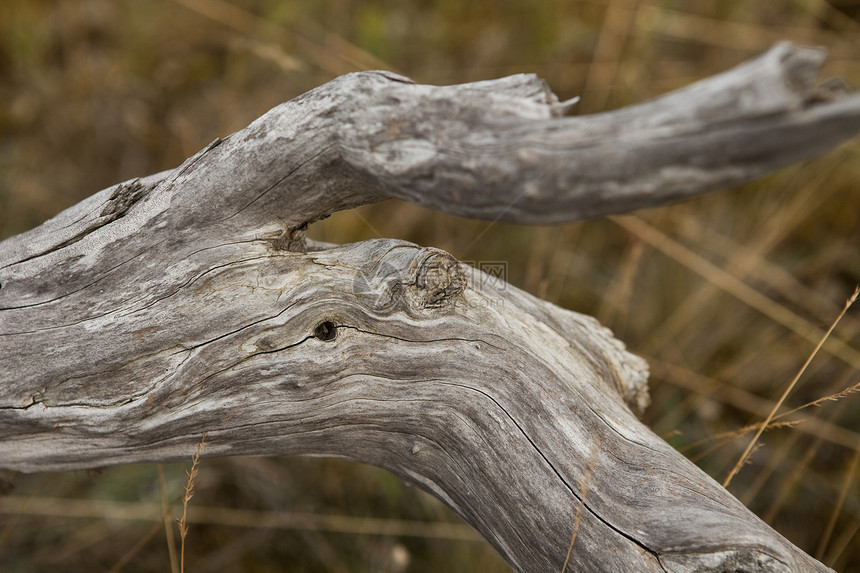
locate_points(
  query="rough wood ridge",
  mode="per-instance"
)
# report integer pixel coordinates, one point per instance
(190, 302)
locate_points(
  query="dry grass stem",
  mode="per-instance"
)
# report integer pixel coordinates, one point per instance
(742, 460)
(186, 497)
(20, 510)
(336, 55)
(847, 480)
(748, 402)
(737, 288)
(617, 22)
(799, 468)
(725, 438)
(748, 260)
(129, 555)
(583, 493)
(854, 388)
(68, 508)
(843, 542)
(165, 517)
(769, 472)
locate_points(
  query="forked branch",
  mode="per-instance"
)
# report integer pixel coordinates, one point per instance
(190, 302)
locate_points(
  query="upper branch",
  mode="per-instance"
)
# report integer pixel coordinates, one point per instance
(497, 150)
(500, 150)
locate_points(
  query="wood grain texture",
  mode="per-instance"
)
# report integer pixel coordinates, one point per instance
(190, 302)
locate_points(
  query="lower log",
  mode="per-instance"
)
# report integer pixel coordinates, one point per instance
(514, 412)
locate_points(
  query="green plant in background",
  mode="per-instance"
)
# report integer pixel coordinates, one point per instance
(725, 295)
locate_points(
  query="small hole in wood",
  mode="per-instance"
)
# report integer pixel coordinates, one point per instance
(326, 331)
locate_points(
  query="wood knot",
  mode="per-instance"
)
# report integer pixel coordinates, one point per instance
(409, 279)
(438, 280)
(325, 331)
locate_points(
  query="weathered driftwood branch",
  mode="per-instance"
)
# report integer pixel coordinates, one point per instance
(190, 302)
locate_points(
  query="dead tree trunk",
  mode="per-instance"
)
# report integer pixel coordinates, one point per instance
(190, 302)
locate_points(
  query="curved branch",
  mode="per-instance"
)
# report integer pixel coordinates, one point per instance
(189, 301)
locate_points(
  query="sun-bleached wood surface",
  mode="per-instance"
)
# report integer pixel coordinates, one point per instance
(190, 301)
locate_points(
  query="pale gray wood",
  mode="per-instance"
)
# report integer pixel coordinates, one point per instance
(190, 301)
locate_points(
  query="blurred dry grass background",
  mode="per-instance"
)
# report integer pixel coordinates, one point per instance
(725, 295)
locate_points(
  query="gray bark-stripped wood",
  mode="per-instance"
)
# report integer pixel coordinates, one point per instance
(190, 301)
